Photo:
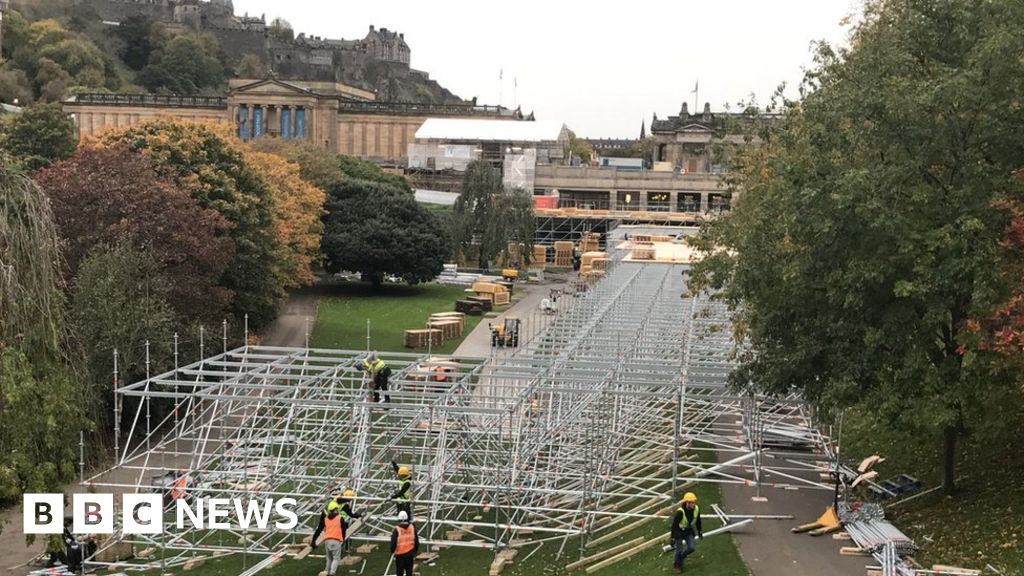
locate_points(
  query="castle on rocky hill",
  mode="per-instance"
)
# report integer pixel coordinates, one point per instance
(374, 61)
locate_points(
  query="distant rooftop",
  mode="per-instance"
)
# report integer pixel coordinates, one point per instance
(489, 130)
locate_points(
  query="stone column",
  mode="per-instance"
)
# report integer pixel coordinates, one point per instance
(643, 200)
(705, 204)
(250, 110)
(673, 201)
(613, 199)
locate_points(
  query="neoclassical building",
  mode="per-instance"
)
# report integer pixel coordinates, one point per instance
(341, 118)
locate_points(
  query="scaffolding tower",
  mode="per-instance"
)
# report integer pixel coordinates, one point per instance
(588, 428)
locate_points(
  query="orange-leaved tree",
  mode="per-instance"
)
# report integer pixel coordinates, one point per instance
(298, 207)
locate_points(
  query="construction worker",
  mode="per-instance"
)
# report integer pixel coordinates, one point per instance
(686, 525)
(347, 512)
(405, 543)
(334, 536)
(403, 496)
(379, 372)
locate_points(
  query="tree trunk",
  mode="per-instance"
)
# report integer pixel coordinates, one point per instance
(949, 434)
(376, 279)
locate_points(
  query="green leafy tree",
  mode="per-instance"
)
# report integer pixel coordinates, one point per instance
(207, 160)
(318, 166)
(866, 236)
(43, 406)
(580, 148)
(363, 170)
(39, 135)
(184, 66)
(377, 229)
(280, 28)
(488, 216)
(136, 36)
(250, 66)
(15, 87)
(16, 33)
(119, 302)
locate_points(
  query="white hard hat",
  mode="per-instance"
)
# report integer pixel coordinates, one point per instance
(403, 516)
(373, 355)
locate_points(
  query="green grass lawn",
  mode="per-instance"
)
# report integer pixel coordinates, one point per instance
(343, 312)
(984, 523)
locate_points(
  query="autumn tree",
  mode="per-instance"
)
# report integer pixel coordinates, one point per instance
(865, 239)
(377, 229)
(43, 407)
(298, 207)
(208, 162)
(39, 135)
(489, 217)
(108, 196)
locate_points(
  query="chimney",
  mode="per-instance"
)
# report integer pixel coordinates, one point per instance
(401, 35)
(371, 27)
(685, 111)
(707, 109)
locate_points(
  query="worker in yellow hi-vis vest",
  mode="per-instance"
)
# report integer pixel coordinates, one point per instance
(686, 525)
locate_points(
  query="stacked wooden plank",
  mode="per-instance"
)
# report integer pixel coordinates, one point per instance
(423, 338)
(642, 251)
(459, 317)
(641, 238)
(540, 257)
(491, 291)
(449, 328)
(563, 254)
(661, 238)
(590, 242)
(501, 298)
(601, 264)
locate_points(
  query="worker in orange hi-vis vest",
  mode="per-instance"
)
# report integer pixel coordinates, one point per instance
(334, 536)
(405, 543)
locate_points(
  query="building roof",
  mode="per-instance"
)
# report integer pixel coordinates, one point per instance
(489, 130)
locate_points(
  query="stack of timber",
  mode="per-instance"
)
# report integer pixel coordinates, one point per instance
(641, 238)
(540, 258)
(423, 338)
(661, 238)
(642, 251)
(449, 328)
(563, 254)
(496, 293)
(590, 242)
(456, 316)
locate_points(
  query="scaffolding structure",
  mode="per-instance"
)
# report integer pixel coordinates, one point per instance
(589, 429)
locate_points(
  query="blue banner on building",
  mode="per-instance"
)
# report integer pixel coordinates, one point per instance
(286, 123)
(257, 122)
(243, 122)
(300, 123)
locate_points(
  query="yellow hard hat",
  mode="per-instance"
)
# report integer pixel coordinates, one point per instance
(332, 506)
(403, 471)
(689, 497)
(348, 494)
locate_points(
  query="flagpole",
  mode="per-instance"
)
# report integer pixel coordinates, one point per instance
(696, 96)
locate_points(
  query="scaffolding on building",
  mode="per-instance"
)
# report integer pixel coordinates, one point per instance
(587, 429)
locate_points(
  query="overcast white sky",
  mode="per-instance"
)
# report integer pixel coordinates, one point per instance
(598, 67)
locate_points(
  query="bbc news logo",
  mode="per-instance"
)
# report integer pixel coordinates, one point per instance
(143, 513)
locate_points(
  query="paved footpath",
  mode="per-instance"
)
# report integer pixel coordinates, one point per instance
(769, 547)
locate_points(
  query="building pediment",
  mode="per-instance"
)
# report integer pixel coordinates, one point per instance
(270, 86)
(695, 128)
